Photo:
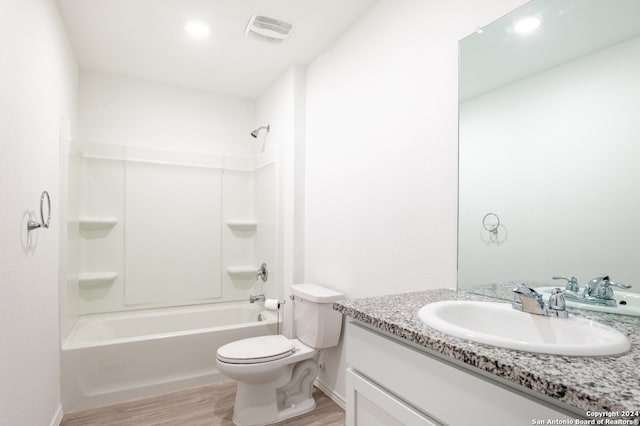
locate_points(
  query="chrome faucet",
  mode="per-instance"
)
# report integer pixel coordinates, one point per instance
(257, 298)
(600, 289)
(597, 291)
(528, 300)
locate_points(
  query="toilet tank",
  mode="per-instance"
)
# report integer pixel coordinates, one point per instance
(316, 323)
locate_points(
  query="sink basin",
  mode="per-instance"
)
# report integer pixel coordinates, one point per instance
(628, 303)
(498, 324)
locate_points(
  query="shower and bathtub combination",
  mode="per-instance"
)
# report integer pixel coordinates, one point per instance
(162, 253)
(115, 357)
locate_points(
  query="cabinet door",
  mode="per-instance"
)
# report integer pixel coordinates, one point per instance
(370, 405)
(452, 394)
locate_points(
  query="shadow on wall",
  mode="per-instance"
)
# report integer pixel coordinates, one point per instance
(28, 239)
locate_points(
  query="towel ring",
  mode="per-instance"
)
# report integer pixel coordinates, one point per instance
(493, 228)
(32, 224)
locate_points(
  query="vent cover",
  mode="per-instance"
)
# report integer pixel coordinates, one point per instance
(267, 29)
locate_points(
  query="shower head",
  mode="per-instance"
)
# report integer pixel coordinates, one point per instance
(255, 132)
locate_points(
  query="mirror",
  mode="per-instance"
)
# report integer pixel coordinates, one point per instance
(549, 156)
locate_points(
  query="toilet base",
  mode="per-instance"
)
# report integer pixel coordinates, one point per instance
(288, 396)
(248, 419)
(299, 409)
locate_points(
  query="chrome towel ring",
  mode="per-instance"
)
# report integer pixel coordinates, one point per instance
(491, 226)
(32, 224)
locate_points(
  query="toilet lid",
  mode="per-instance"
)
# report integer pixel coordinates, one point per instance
(255, 350)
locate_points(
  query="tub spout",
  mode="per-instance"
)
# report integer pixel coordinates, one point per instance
(258, 298)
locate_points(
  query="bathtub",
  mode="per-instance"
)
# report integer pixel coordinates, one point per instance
(110, 358)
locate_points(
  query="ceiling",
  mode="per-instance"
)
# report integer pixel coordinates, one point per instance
(496, 56)
(146, 39)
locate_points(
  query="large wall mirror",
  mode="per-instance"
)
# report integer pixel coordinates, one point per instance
(550, 146)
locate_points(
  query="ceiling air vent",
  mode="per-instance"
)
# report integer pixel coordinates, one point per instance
(267, 29)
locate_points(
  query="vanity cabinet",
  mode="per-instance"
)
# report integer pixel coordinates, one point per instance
(371, 405)
(393, 383)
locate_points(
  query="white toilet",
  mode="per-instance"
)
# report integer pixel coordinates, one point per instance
(275, 375)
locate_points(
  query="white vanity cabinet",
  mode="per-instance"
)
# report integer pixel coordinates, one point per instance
(392, 383)
(371, 405)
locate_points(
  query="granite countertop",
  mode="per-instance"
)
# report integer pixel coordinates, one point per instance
(606, 383)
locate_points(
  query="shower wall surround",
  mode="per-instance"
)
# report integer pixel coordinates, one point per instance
(161, 234)
(163, 204)
(173, 234)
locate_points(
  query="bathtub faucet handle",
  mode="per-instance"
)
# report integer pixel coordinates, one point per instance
(263, 272)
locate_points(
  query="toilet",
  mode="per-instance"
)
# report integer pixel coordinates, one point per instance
(275, 374)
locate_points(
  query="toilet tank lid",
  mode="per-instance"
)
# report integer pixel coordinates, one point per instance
(316, 293)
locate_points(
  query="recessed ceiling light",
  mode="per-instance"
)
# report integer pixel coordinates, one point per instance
(197, 29)
(527, 24)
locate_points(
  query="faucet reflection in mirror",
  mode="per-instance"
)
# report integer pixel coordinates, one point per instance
(597, 291)
(540, 115)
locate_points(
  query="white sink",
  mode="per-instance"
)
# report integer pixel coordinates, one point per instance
(498, 324)
(627, 303)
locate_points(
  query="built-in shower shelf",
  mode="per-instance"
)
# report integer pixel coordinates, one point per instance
(243, 225)
(242, 271)
(97, 223)
(91, 279)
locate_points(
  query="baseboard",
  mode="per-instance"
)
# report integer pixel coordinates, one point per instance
(338, 399)
(57, 418)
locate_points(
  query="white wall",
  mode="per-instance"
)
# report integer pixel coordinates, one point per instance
(555, 156)
(38, 80)
(282, 107)
(123, 111)
(381, 153)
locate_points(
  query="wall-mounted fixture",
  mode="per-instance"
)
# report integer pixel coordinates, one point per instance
(32, 224)
(254, 134)
(263, 272)
(491, 223)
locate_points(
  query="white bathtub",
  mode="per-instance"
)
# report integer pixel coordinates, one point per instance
(110, 358)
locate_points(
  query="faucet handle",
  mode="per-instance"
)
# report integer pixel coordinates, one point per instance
(557, 304)
(619, 285)
(556, 300)
(263, 272)
(572, 283)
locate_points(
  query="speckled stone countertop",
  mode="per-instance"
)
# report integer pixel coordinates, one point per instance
(608, 383)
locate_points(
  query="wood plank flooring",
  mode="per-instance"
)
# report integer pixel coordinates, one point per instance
(204, 406)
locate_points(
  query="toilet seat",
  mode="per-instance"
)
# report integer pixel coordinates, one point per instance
(256, 350)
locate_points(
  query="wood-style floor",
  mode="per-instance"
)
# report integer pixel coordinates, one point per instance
(204, 406)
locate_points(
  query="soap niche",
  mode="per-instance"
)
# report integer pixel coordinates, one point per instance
(96, 227)
(243, 228)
